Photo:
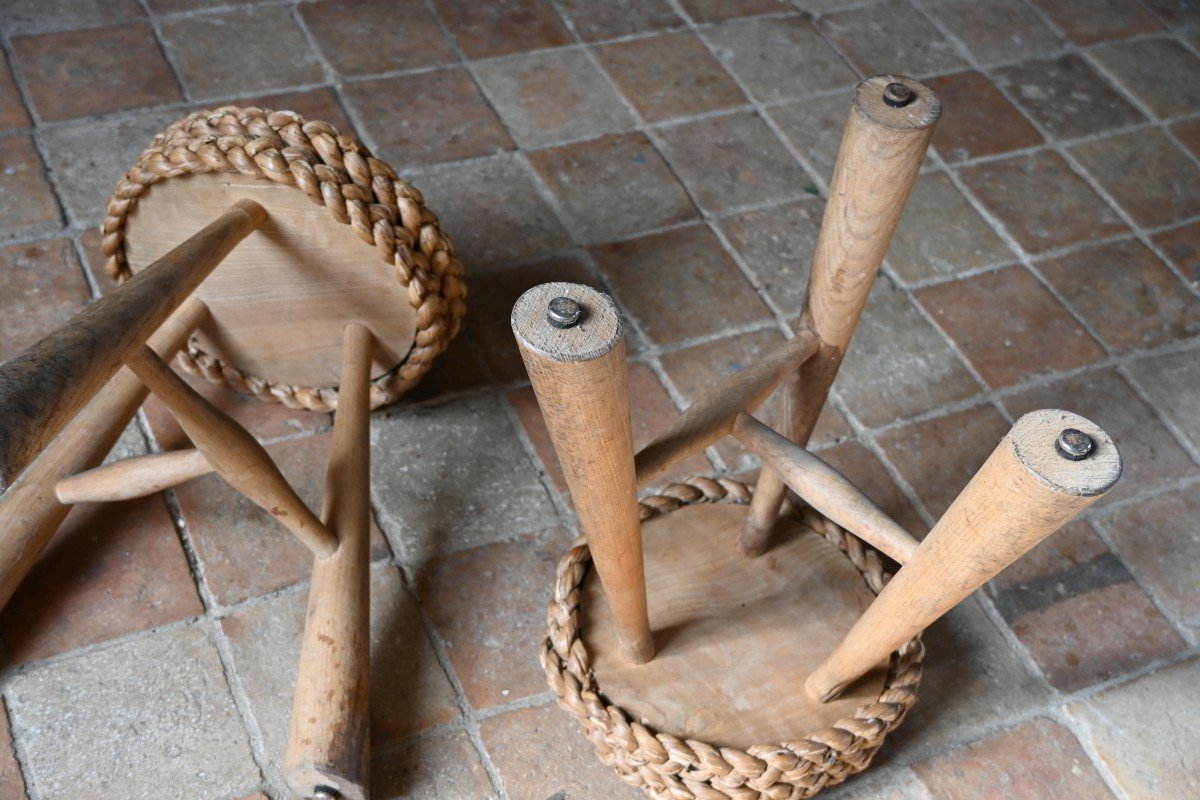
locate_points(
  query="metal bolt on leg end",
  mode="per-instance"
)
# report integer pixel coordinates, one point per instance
(563, 312)
(897, 95)
(1074, 445)
(325, 793)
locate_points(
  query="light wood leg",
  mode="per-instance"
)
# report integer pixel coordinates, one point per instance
(43, 388)
(234, 454)
(30, 512)
(877, 164)
(582, 385)
(328, 742)
(1023, 493)
(137, 476)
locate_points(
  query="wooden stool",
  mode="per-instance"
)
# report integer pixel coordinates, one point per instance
(728, 651)
(337, 289)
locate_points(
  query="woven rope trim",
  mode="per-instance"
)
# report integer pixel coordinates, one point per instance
(332, 170)
(668, 768)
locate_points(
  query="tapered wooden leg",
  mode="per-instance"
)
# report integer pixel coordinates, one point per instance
(571, 341)
(136, 476)
(30, 512)
(233, 452)
(880, 155)
(328, 742)
(47, 385)
(1026, 490)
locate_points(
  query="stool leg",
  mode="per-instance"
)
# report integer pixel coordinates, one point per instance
(43, 388)
(1024, 492)
(877, 164)
(328, 744)
(136, 476)
(582, 386)
(233, 452)
(30, 512)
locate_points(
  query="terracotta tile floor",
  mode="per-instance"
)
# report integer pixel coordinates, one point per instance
(675, 153)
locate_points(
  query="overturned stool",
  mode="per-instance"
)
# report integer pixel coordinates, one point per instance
(280, 259)
(723, 649)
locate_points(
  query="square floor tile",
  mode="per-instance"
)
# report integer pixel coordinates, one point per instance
(1126, 725)
(1182, 247)
(597, 21)
(1159, 539)
(695, 370)
(492, 210)
(128, 720)
(241, 51)
(89, 157)
(27, 203)
(778, 244)
(1079, 613)
(1067, 97)
(680, 284)
(715, 10)
(939, 456)
(110, 570)
(814, 127)
(891, 37)
(1039, 759)
(243, 551)
(94, 71)
(898, 365)
(996, 31)
(613, 187)
(347, 31)
(1172, 382)
(542, 753)
(41, 287)
(1089, 21)
(779, 58)
(1009, 326)
(941, 234)
(441, 117)
(436, 767)
(489, 310)
(1041, 202)
(979, 120)
(864, 469)
(1149, 453)
(34, 16)
(1146, 173)
(732, 161)
(409, 690)
(12, 107)
(454, 476)
(670, 75)
(489, 605)
(1126, 294)
(1161, 73)
(552, 96)
(973, 681)
(502, 27)
(1187, 133)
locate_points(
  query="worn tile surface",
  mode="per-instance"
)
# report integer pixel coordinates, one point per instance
(675, 154)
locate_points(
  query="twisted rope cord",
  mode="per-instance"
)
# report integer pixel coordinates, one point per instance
(332, 170)
(668, 768)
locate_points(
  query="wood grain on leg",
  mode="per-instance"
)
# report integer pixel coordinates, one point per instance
(45, 386)
(877, 164)
(234, 454)
(132, 477)
(582, 386)
(1024, 492)
(328, 741)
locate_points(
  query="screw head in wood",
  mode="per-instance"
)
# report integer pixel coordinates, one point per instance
(563, 312)
(1074, 445)
(325, 793)
(897, 95)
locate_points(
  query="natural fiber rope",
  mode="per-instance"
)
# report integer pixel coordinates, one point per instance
(668, 768)
(335, 171)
